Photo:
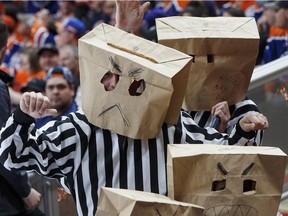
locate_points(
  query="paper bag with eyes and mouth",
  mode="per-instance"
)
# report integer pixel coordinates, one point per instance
(227, 180)
(150, 82)
(224, 51)
(114, 202)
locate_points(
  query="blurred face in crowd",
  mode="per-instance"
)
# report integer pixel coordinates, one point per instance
(64, 37)
(270, 16)
(60, 93)
(69, 60)
(281, 18)
(48, 60)
(24, 62)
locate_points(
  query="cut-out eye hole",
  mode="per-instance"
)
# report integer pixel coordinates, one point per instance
(249, 186)
(210, 58)
(110, 80)
(137, 87)
(219, 185)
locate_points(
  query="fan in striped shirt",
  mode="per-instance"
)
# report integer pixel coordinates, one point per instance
(90, 157)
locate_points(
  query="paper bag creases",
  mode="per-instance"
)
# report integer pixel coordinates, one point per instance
(224, 51)
(124, 202)
(158, 73)
(227, 179)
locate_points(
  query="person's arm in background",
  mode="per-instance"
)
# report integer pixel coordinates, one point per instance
(17, 180)
(20, 184)
(230, 115)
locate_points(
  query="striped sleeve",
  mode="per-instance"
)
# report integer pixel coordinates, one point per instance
(51, 153)
(237, 111)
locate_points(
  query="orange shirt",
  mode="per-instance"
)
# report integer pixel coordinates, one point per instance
(21, 78)
(277, 32)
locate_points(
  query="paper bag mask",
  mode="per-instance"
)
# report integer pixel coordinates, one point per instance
(159, 74)
(124, 202)
(227, 180)
(224, 51)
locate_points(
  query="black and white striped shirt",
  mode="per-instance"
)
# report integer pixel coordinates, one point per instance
(237, 111)
(90, 157)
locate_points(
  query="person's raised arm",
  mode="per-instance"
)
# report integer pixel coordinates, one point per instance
(36, 105)
(253, 121)
(129, 14)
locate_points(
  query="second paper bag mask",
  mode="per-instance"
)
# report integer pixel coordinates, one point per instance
(122, 202)
(151, 83)
(224, 51)
(227, 180)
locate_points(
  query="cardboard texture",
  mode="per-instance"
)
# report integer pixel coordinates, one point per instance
(124, 202)
(227, 180)
(162, 71)
(224, 51)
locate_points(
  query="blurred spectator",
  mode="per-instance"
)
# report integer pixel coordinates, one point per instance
(48, 56)
(11, 59)
(196, 9)
(106, 14)
(24, 28)
(281, 20)
(233, 12)
(275, 38)
(43, 29)
(68, 56)
(35, 6)
(70, 30)
(60, 91)
(245, 5)
(279, 87)
(66, 10)
(30, 68)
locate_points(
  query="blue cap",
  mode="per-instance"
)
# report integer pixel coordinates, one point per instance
(59, 71)
(75, 26)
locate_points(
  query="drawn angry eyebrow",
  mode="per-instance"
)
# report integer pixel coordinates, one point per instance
(115, 65)
(125, 120)
(135, 72)
(221, 169)
(247, 169)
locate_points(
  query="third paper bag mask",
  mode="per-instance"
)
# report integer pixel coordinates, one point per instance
(224, 51)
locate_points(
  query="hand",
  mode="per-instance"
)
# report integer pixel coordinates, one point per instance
(36, 105)
(222, 110)
(254, 121)
(32, 200)
(129, 14)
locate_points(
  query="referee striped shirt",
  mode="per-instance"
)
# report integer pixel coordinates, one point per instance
(90, 157)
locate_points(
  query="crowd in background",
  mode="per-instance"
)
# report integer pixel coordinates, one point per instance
(39, 31)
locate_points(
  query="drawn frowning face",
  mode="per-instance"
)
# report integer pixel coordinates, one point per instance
(249, 188)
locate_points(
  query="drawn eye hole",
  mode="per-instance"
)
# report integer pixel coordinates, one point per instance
(218, 185)
(137, 87)
(249, 187)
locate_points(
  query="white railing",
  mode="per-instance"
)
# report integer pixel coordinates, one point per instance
(269, 72)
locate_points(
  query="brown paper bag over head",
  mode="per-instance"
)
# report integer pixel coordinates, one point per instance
(224, 51)
(122, 202)
(227, 180)
(151, 83)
